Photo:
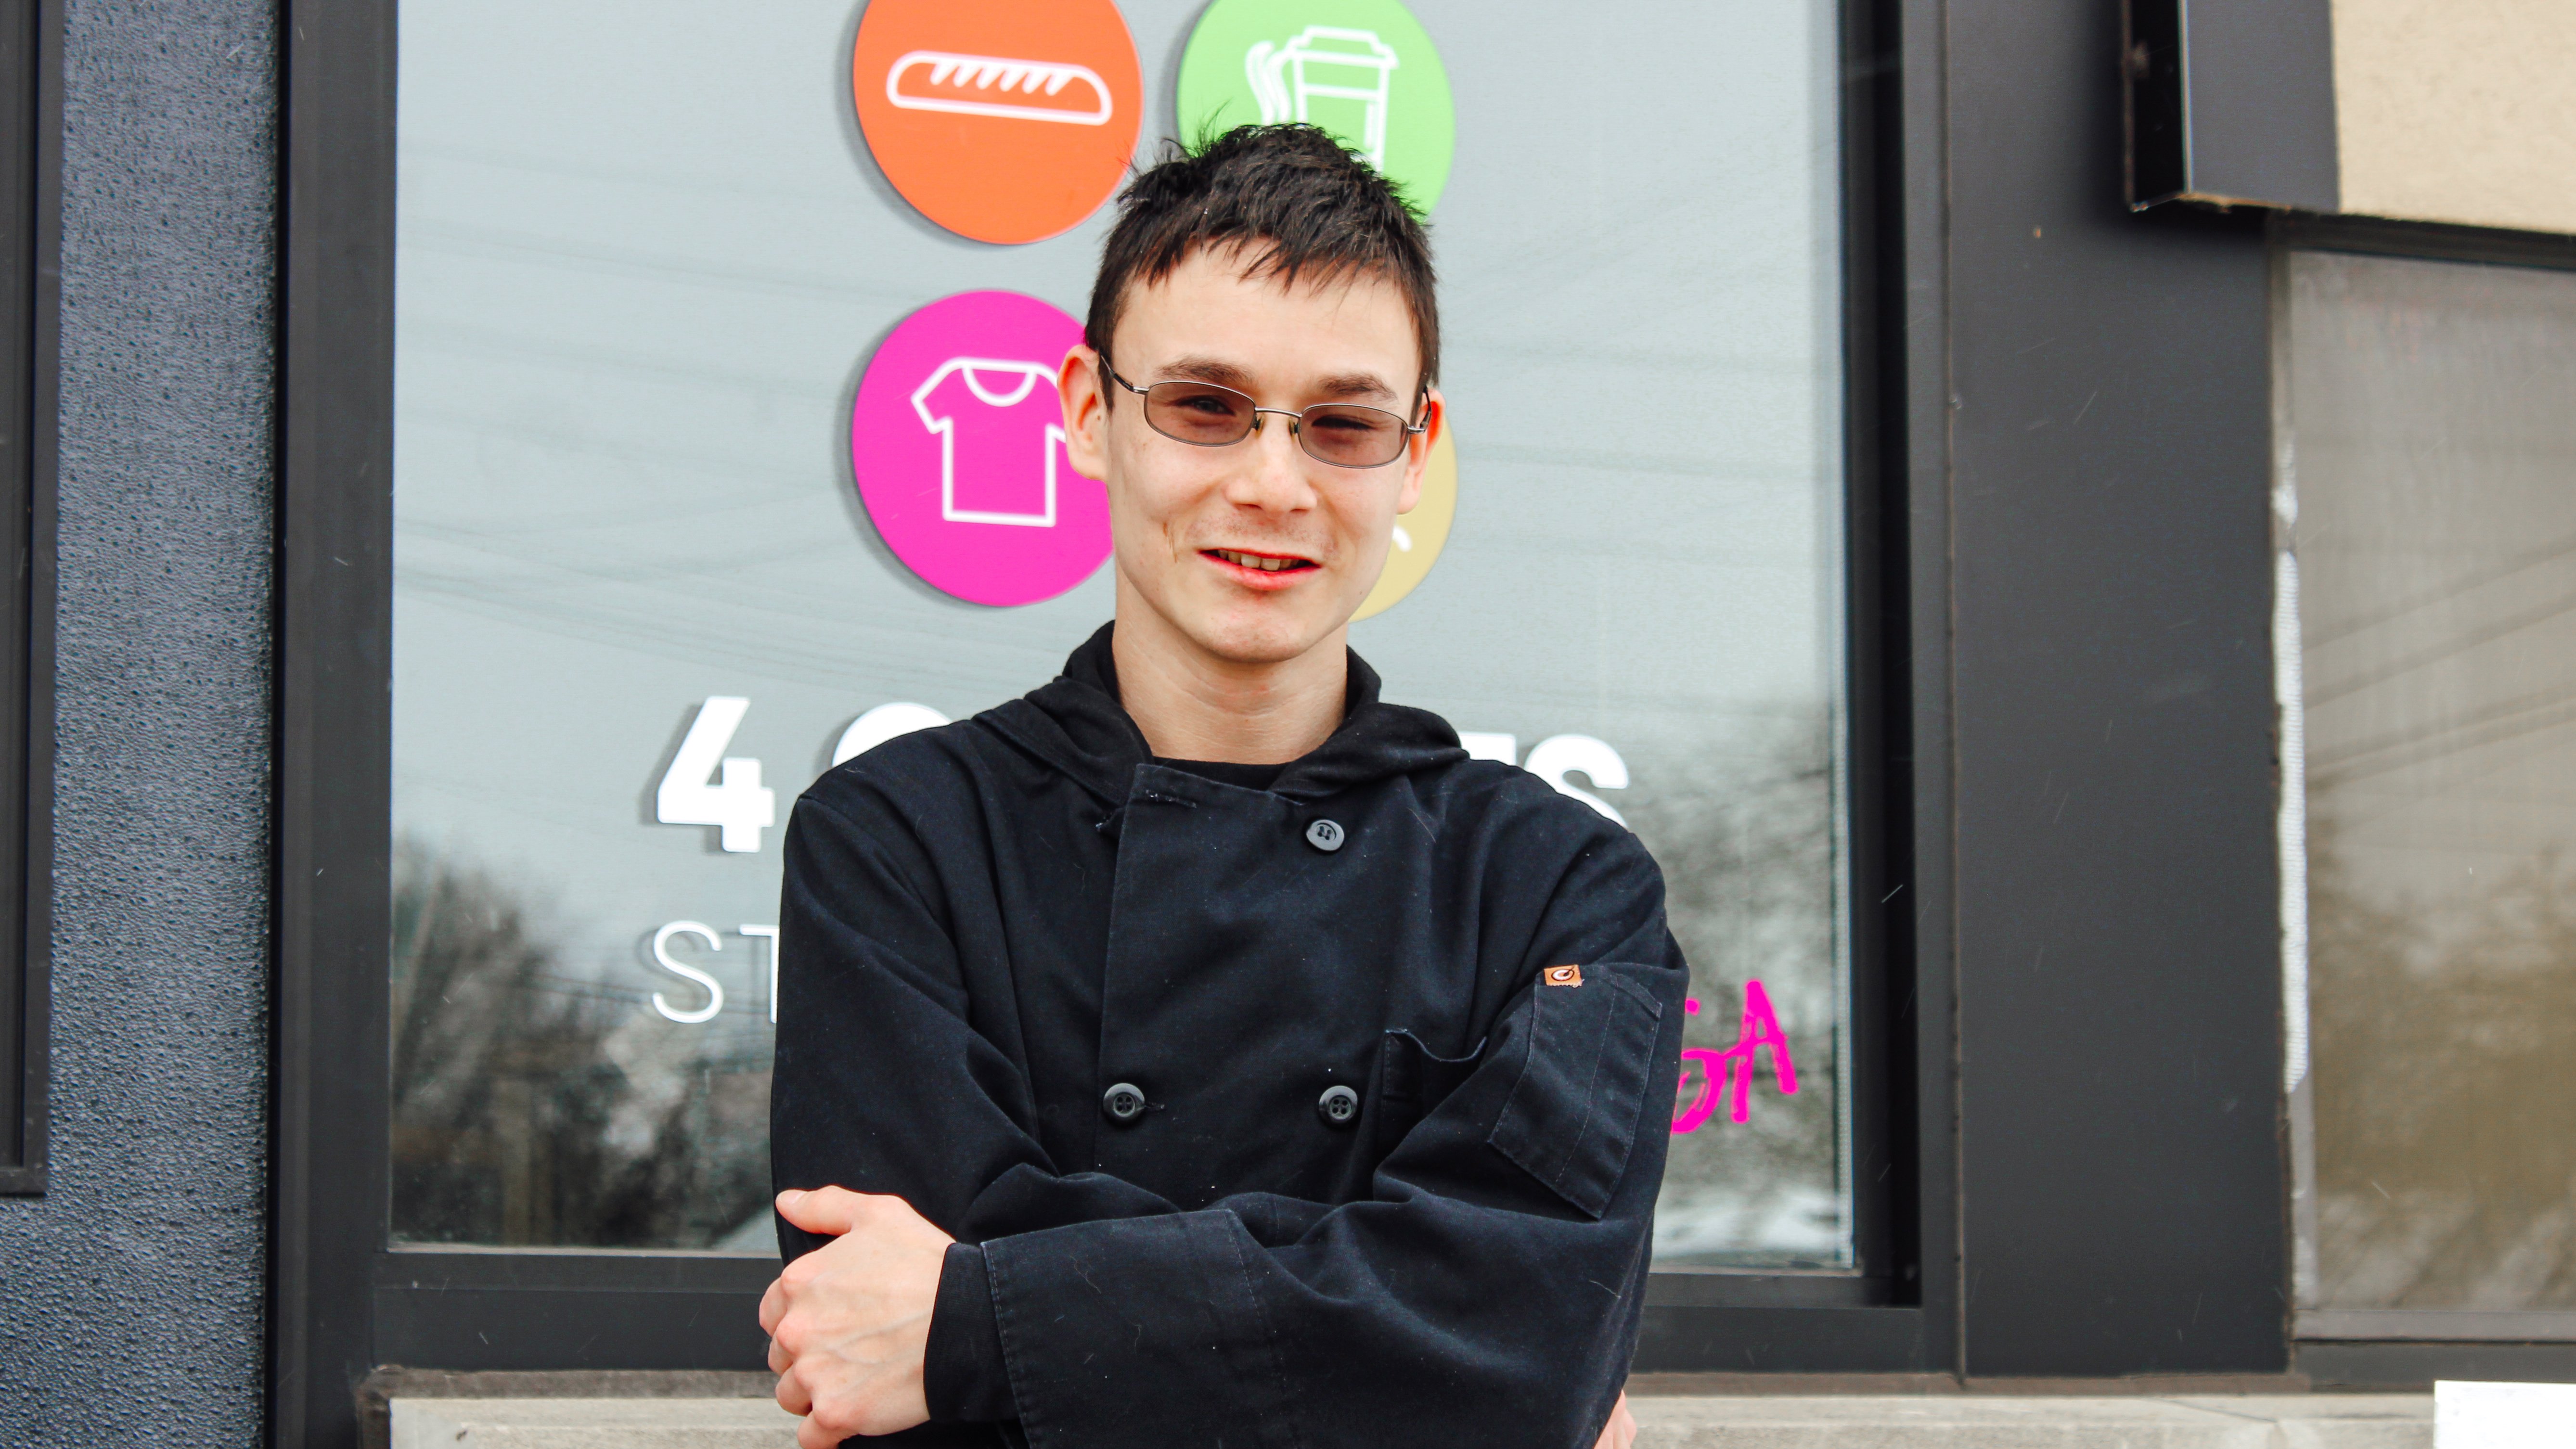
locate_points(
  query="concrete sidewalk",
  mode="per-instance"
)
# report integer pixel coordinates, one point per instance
(2301, 1421)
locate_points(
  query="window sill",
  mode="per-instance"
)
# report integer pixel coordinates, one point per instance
(590, 1423)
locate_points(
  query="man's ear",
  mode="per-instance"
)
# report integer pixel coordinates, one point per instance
(1086, 413)
(1417, 452)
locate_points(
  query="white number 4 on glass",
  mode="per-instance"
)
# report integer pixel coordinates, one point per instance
(737, 802)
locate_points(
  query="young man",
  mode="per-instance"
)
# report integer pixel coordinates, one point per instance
(1200, 1051)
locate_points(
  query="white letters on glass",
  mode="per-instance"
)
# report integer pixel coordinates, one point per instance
(769, 934)
(662, 958)
(882, 724)
(738, 803)
(1557, 756)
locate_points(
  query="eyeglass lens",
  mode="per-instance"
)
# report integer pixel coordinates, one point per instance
(1345, 435)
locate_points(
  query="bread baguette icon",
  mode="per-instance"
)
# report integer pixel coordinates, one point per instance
(993, 85)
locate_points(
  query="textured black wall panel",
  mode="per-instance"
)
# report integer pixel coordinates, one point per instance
(131, 1312)
(2118, 954)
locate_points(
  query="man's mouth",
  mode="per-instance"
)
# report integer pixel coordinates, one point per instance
(1268, 563)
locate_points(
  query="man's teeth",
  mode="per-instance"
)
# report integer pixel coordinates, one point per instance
(1256, 561)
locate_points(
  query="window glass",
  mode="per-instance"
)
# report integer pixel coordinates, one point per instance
(2432, 413)
(651, 269)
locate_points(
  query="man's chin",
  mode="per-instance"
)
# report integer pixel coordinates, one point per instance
(1265, 637)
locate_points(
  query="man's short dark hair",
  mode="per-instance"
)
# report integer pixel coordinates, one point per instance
(1288, 199)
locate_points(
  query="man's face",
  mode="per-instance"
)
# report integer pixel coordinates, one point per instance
(1197, 528)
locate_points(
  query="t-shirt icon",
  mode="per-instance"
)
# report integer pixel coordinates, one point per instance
(999, 432)
(957, 447)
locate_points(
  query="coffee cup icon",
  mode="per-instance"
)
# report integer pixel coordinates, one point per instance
(1332, 65)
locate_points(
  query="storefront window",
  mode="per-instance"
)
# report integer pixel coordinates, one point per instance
(2432, 432)
(694, 495)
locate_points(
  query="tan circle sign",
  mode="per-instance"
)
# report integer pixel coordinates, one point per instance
(1419, 534)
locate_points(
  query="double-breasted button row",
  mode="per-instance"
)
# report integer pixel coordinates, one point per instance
(1124, 1104)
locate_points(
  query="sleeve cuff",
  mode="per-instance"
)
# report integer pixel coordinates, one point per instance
(963, 1376)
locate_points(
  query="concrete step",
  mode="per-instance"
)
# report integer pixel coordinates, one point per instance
(2307, 1421)
(1980, 1421)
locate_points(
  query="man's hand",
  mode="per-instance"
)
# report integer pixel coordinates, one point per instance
(849, 1322)
(1621, 1431)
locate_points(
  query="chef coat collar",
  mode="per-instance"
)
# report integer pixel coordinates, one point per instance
(1076, 723)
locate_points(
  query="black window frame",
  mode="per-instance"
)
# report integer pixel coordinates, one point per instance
(30, 169)
(344, 1304)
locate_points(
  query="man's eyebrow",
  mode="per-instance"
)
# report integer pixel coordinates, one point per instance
(1210, 369)
(1226, 374)
(1354, 384)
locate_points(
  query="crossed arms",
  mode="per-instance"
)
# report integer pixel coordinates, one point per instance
(1486, 1290)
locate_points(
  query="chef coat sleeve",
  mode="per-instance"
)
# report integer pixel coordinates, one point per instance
(963, 1376)
(886, 1080)
(1487, 1292)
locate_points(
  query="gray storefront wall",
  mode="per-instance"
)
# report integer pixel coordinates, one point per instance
(133, 1305)
(2065, 580)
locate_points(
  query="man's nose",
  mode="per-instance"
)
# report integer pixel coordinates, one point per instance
(1274, 476)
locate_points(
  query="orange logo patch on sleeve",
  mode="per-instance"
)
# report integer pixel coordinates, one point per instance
(1562, 976)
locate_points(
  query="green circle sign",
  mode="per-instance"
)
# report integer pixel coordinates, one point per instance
(1361, 69)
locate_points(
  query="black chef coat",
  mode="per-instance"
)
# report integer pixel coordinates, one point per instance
(988, 927)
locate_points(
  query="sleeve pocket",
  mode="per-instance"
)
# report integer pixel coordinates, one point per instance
(1573, 1110)
(1412, 1080)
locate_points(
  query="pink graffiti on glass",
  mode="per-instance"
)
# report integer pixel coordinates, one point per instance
(1759, 1028)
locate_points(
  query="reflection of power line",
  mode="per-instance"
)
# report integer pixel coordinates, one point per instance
(2447, 741)
(2458, 644)
(2496, 761)
(724, 592)
(529, 559)
(782, 657)
(687, 471)
(743, 1015)
(730, 275)
(467, 341)
(2494, 573)
(666, 174)
(2332, 758)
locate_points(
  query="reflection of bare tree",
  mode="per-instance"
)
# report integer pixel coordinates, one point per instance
(1745, 839)
(526, 1111)
(2445, 1082)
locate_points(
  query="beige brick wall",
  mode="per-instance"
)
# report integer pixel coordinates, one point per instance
(2458, 110)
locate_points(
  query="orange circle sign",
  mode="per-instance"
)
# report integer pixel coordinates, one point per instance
(1002, 120)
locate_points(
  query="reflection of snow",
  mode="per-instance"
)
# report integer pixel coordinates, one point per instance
(758, 1234)
(1743, 824)
(1712, 1223)
(660, 1063)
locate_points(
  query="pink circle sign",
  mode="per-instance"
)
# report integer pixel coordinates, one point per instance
(957, 442)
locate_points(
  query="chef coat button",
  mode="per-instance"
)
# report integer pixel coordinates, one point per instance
(1124, 1103)
(1326, 835)
(1339, 1106)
